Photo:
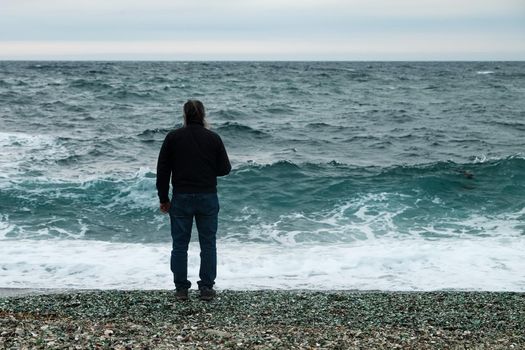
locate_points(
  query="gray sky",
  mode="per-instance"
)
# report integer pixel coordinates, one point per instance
(263, 29)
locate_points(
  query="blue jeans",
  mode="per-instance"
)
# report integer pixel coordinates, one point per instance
(205, 208)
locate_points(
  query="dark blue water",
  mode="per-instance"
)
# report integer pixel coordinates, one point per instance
(340, 160)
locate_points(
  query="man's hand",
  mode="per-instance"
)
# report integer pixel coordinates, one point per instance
(165, 207)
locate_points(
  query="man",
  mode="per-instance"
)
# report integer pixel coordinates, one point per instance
(193, 157)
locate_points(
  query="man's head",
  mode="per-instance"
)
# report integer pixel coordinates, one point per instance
(194, 112)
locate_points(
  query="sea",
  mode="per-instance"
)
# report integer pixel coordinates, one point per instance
(392, 176)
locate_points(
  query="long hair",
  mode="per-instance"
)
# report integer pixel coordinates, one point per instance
(194, 112)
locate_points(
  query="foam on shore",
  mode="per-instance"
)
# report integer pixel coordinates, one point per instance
(490, 264)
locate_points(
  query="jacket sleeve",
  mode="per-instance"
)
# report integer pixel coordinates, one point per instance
(164, 172)
(223, 162)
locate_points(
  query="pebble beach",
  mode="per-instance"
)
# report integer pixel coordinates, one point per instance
(267, 319)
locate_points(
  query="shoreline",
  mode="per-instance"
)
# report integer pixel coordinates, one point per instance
(262, 319)
(27, 292)
(15, 292)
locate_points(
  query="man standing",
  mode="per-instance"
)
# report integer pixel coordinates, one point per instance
(193, 157)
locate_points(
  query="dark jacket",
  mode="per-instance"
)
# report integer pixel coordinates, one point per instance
(193, 157)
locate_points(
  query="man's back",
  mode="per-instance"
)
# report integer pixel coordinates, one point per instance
(193, 156)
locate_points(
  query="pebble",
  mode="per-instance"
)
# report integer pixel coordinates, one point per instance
(218, 333)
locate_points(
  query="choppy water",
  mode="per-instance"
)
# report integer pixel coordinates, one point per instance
(395, 176)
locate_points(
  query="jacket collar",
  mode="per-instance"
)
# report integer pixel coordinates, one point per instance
(194, 123)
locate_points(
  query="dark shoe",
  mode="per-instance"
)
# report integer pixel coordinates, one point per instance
(181, 294)
(207, 293)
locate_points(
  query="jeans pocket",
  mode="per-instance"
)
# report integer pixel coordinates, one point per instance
(208, 205)
(180, 205)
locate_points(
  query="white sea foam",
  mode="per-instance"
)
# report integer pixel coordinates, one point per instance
(5, 226)
(494, 264)
(369, 217)
(19, 149)
(484, 72)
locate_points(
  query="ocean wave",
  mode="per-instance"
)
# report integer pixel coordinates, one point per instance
(126, 93)
(239, 130)
(54, 155)
(334, 69)
(53, 104)
(226, 130)
(21, 150)
(101, 207)
(30, 148)
(95, 85)
(334, 202)
(229, 114)
(161, 79)
(401, 265)
(492, 187)
(98, 71)
(286, 203)
(51, 65)
(318, 125)
(152, 132)
(514, 125)
(51, 155)
(516, 162)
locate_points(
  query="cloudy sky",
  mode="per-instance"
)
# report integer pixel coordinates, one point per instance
(263, 29)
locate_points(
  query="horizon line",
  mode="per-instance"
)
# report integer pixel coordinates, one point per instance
(252, 60)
